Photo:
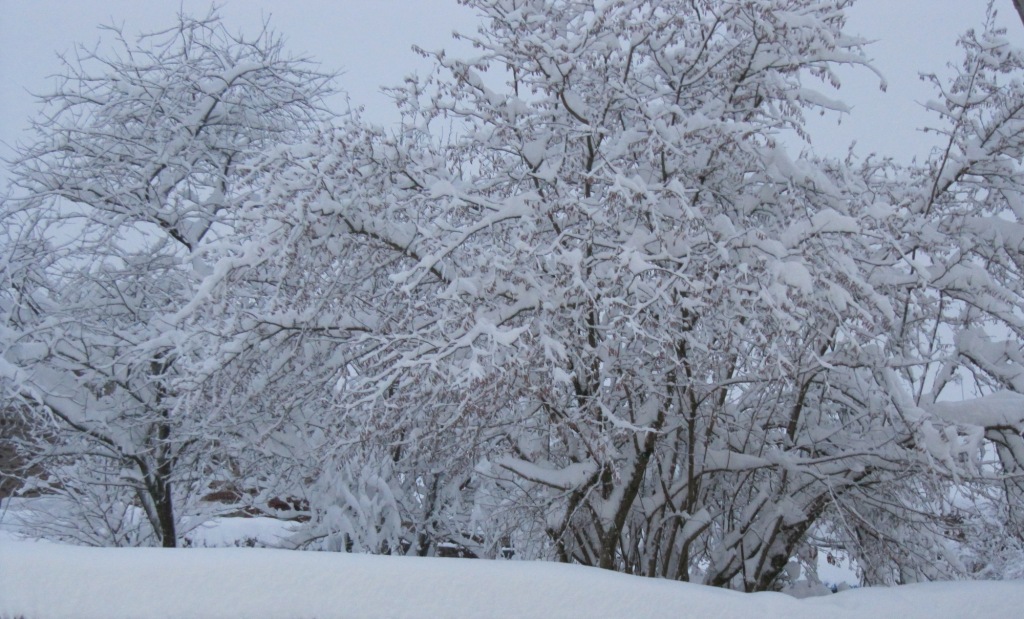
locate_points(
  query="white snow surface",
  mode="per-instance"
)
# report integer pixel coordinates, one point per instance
(41, 580)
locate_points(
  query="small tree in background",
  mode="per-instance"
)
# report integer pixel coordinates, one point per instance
(122, 207)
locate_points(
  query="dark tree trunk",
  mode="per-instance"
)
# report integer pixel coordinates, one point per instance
(165, 515)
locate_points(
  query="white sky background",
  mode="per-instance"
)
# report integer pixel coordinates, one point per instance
(370, 40)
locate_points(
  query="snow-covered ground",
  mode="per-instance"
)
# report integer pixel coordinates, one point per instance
(42, 580)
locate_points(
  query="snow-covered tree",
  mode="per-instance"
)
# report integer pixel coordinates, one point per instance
(594, 306)
(960, 334)
(122, 211)
(600, 304)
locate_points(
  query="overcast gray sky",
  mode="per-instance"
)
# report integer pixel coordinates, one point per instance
(370, 41)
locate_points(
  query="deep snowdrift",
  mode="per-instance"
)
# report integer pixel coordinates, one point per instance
(41, 580)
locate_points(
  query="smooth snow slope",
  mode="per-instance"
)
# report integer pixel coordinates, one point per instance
(40, 580)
